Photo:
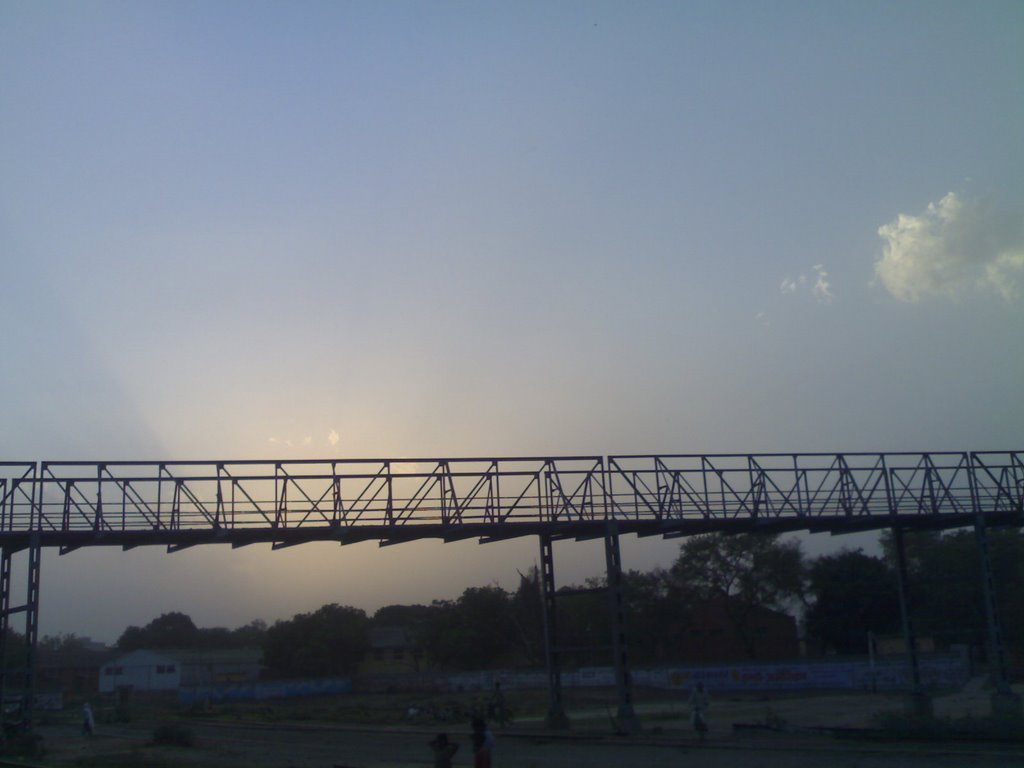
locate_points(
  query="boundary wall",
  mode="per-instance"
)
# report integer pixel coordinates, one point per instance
(938, 671)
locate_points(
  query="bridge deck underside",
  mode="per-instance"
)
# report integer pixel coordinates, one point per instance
(484, 532)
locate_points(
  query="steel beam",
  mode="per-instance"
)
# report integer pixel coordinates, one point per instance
(626, 720)
(556, 717)
(35, 553)
(909, 636)
(996, 654)
(5, 616)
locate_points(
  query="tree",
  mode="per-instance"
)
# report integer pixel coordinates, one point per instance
(169, 630)
(851, 594)
(946, 593)
(330, 641)
(656, 616)
(60, 644)
(527, 607)
(177, 630)
(747, 571)
(478, 631)
(410, 616)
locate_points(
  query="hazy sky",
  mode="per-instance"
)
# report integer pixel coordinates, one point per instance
(281, 230)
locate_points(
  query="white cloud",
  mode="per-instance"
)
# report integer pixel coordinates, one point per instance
(953, 247)
(821, 288)
(333, 437)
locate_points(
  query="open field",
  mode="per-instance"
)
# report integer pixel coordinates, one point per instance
(377, 732)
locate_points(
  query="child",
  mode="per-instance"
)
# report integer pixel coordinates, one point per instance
(443, 751)
(699, 704)
(483, 744)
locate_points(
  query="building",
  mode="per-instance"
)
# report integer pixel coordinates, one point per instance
(73, 667)
(146, 670)
(392, 651)
(141, 671)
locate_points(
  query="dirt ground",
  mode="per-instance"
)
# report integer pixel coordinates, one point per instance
(666, 739)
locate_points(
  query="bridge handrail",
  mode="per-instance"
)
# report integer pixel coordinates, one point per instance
(808, 489)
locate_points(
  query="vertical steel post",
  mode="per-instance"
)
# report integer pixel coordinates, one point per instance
(556, 717)
(627, 719)
(909, 637)
(35, 552)
(997, 657)
(5, 618)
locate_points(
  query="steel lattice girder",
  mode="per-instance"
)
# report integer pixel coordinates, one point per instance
(179, 504)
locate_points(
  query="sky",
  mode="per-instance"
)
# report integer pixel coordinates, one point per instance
(403, 229)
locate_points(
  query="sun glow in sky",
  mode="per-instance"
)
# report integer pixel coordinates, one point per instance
(264, 230)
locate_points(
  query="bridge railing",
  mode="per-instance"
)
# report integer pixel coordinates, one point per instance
(17, 494)
(806, 490)
(140, 496)
(813, 486)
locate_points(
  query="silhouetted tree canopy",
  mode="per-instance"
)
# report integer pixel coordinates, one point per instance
(945, 584)
(751, 570)
(169, 630)
(851, 594)
(846, 594)
(328, 642)
(177, 630)
(477, 631)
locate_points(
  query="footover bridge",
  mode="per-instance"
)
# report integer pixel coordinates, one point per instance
(180, 504)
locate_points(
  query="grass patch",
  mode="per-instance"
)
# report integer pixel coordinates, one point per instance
(896, 725)
(173, 735)
(125, 760)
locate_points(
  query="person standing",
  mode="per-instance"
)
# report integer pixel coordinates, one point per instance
(443, 751)
(483, 744)
(496, 708)
(88, 724)
(699, 704)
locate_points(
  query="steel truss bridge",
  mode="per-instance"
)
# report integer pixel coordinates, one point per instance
(180, 504)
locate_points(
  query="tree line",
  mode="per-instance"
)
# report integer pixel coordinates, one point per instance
(841, 597)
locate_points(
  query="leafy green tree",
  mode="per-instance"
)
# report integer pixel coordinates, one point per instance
(656, 616)
(169, 630)
(251, 634)
(61, 643)
(851, 594)
(748, 571)
(945, 585)
(478, 631)
(584, 624)
(15, 656)
(177, 630)
(527, 606)
(330, 641)
(411, 616)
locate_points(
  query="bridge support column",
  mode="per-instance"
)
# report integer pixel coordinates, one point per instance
(31, 611)
(1005, 702)
(627, 719)
(5, 619)
(920, 703)
(35, 557)
(556, 717)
